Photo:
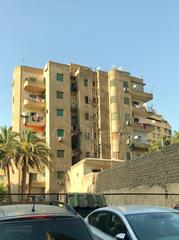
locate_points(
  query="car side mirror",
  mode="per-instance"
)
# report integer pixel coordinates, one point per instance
(122, 236)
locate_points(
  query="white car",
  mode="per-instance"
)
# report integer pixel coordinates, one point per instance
(134, 222)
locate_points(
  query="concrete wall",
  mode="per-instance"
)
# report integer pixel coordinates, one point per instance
(151, 173)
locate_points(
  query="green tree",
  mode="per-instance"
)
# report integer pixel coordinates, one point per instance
(164, 141)
(3, 192)
(8, 143)
(32, 154)
(175, 137)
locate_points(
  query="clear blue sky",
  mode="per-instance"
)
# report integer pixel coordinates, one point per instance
(142, 36)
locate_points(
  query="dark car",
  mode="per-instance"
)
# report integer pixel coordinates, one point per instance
(41, 222)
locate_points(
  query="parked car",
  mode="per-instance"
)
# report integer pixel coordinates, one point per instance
(85, 203)
(135, 222)
(42, 222)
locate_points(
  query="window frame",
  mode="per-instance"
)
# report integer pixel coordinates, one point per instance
(59, 76)
(59, 93)
(60, 151)
(58, 110)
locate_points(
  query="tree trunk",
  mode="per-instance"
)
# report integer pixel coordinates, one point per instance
(9, 184)
(23, 183)
(29, 186)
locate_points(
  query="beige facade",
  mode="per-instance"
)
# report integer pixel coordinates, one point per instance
(81, 177)
(82, 113)
(161, 128)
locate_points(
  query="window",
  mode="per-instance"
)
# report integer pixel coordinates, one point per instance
(115, 116)
(34, 176)
(135, 104)
(136, 120)
(113, 99)
(125, 84)
(87, 154)
(86, 116)
(86, 99)
(59, 77)
(113, 82)
(94, 83)
(60, 112)
(126, 101)
(60, 174)
(86, 82)
(87, 135)
(32, 79)
(115, 225)
(139, 138)
(60, 153)
(60, 132)
(94, 100)
(59, 94)
(98, 220)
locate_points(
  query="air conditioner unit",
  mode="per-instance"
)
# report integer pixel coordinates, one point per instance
(60, 139)
(128, 123)
(136, 137)
(126, 89)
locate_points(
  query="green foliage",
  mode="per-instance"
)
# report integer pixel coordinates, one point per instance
(32, 153)
(164, 141)
(175, 137)
(3, 191)
(24, 151)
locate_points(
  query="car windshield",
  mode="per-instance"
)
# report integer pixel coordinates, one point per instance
(155, 226)
(61, 229)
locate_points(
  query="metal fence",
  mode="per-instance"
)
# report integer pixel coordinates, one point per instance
(112, 198)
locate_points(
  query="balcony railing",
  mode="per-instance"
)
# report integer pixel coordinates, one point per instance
(144, 96)
(143, 127)
(34, 119)
(37, 102)
(141, 111)
(34, 85)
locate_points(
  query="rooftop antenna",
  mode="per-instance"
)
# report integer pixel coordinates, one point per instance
(23, 61)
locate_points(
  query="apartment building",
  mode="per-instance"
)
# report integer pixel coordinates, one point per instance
(82, 113)
(162, 129)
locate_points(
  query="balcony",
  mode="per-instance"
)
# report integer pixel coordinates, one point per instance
(143, 96)
(34, 119)
(141, 111)
(138, 145)
(37, 102)
(73, 87)
(34, 85)
(143, 127)
(75, 131)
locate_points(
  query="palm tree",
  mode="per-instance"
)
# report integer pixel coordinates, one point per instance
(32, 154)
(8, 142)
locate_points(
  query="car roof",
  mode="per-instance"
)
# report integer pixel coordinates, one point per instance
(136, 209)
(17, 210)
